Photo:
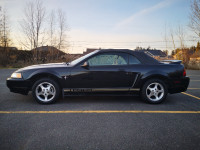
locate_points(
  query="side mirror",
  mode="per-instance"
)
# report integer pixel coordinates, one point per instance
(85, 65)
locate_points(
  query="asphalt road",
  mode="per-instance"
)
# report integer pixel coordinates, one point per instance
(100, 123)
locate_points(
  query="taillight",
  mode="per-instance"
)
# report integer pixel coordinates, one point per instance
(184, 72)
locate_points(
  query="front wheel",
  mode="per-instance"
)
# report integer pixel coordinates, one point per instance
(45, 91)
(154, 91)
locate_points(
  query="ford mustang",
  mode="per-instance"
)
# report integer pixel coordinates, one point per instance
(102, 72)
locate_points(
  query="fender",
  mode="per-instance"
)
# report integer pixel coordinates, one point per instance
(153, 74)
(44, 71)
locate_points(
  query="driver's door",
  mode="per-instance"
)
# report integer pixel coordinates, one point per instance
(105, 70)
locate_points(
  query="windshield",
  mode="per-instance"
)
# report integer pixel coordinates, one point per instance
(76, 61)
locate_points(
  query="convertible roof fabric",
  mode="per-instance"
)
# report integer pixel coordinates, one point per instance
(142, 56)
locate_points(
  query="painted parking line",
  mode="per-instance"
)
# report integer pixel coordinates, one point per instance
(191, 95)
(100, 112)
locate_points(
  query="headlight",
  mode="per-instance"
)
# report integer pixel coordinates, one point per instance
(16, 75)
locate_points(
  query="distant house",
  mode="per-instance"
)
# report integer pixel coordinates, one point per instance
(46, 48)
(13, 48)
(71, 57)
(89, 50)
(49, 49)
(47, 53)
(154, 53)
(9, 48)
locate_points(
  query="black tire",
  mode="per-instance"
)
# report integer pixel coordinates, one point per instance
(157, 95)
(55, 89)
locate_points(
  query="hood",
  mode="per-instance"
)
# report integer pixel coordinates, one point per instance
(43, 66)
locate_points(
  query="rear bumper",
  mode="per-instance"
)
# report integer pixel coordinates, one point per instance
(18, 85)
(179, 85)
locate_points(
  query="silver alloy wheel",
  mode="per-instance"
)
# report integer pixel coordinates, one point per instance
(155, 91)
(45, 91)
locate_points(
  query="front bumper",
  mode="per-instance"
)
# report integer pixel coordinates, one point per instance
(18, 85)
(179, 85)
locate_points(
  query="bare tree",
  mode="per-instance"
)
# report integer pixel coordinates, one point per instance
(172, 38)
(52, 24)
(5, 39)
(32, 25)
(184, 55)
(52, 37)
(57, 31)
(165, 37)
(40, 29)
(181, 36)
(62, 27)
(195, 17)
(1, 33)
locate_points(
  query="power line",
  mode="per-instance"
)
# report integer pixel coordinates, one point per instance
(131, 41)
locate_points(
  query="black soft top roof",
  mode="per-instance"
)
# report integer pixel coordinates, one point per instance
(142, 56)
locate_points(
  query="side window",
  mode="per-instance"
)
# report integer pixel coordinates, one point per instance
(133, 60)
(109, 59)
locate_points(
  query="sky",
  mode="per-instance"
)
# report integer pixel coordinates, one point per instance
(114, 23)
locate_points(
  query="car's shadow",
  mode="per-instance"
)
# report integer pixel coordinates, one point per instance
(91, 101)
(28, 103)
(101, 99)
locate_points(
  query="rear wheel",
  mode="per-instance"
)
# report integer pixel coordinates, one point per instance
(154, 91)
(45, 91)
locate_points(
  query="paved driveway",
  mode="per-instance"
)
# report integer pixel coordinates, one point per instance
(100, 122)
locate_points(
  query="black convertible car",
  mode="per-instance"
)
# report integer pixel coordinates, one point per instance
(102, 72)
